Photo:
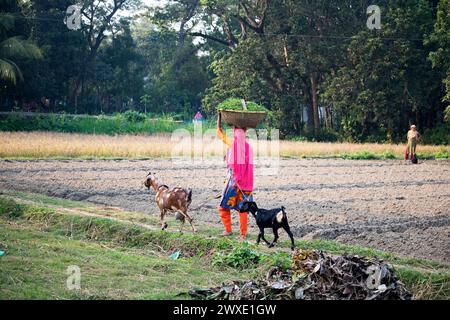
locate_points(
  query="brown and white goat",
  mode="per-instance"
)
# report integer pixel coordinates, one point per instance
(171, 200)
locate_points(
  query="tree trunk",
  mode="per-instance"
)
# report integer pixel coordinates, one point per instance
(315, 103)
(310, 119)
(328, 118)
(73, 95)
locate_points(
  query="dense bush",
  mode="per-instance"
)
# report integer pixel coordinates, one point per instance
(134, 116)
(439, 136)
(131, 122)
(240, 257)
(10, 208)
(447, 114)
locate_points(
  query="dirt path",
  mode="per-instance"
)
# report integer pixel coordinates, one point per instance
(386, 205)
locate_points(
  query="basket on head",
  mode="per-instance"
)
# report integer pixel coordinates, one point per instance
(243, 119)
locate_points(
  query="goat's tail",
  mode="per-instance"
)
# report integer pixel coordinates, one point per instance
(189, 197)
(284, 212)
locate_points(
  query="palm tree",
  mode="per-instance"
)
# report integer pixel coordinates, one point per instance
(13, 47)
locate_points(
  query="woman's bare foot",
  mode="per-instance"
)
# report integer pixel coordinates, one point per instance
(242, 238)
(226, 234)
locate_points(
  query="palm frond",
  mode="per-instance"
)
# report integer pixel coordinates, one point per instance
(9, 71)
(18, 47)
(6, 21)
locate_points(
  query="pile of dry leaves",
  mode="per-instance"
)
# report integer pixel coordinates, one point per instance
(316, 276)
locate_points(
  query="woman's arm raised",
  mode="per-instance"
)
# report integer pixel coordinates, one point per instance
(220, 133)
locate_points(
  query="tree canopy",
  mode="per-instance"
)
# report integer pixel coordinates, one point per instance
(314, 64)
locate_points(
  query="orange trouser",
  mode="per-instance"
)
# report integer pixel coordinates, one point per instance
(225, 215)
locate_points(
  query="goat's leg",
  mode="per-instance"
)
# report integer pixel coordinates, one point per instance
(182, 225)
(192, 226)
(261, 233)
(275, 232)
(163, 223)
(258, 240)
(186, 216)
(288, 231)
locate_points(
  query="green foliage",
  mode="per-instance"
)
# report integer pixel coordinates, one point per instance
(367, 155)
(306, 58)
(10, 208)
(240, 257)
(131, 122)
(438, 136)
(14, 43)
(124, 250)
(278, 259)
(363, 155)
(371, 83)
(298, 138)
(388, 155)
(447, 114)
(437, 284)
(385, 85)
(176, 76)
(443, 154)
(441, 40)
(236, 105)
(109, 270)
(79, 76)
(134, 116)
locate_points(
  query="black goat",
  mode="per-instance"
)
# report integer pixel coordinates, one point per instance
(275, 219)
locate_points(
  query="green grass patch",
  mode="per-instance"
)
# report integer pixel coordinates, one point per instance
(36, 263)
(443, 154)
(425, 285)
(122, 260)
(11, 209)
(364, 155)
(45, 200)
(368, 155)
(239, 257)
(107, 230)
(246, 256)
(387, 155)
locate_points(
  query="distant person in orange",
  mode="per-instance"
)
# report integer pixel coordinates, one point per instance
(413, 139)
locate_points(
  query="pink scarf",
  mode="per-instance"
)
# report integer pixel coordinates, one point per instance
(240, 161)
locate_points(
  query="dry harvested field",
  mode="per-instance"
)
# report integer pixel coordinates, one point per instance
(68, 145)
(387, 205)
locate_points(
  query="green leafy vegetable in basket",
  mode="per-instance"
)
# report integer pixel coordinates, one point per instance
(234, 104)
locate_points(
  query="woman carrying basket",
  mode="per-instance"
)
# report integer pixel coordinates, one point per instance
(239, 182)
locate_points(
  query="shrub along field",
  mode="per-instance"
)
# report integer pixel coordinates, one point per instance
(130, 122)
(124, 256)
(133, 122)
